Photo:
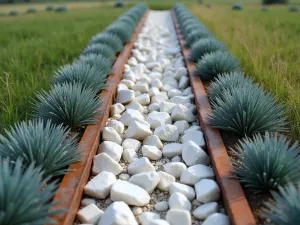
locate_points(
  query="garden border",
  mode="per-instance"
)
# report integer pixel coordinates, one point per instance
(70, 189)
(233, 195)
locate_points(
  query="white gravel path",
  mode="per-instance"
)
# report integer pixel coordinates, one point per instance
(153, 156)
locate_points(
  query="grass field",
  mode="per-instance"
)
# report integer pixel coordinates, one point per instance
(34, 46)
(267, 44)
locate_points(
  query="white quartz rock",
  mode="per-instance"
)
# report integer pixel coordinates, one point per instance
(143, 99)
(157, 119)
(147, 217)
(191, 107)
(205, 210)
(166, 107)
(172, 50)
(151, 152)
(135, 106)
(141, 165)
(183, 82)
(137, 210)
(153, 107)
(180, 100)
(124, 176)
(129, 115)
(132, 61)
(117, 125)
(103, 162)
(130, 193)
(137, 93)
(207, 191)
(170, 81)
(176, 159)
(153, 91)
(130, 75)
(166, 88)
(181, 71)
(117, 108)
(156, 83)
(174, 92)
(195, 136)
(175, 168)
(192, 154)
(187, 91)
(151, 65)
(129, 155)
(125, 96)
(89, 214)
(196, 173)
(217, 218)
(179, 217)
(132, 144)
(112, 149)
(167, 132)
(100, 185)
(137, 130)
(159, 98)
(153, 140)
(179, 201)
(122, 87)
(165, 180)
(155, 75)
(145, 79)
(159, 222)
(192, 128)
(186, 190)
(181, 125)
(118, 213)
(146, 180)
(110, 134)
(161, 206)
(180, 112)
(171, 150)
(128, 83)
(87, 201)
(141, 86)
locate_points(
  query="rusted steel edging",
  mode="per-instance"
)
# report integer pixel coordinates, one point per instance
(233, 195)
(71, 188)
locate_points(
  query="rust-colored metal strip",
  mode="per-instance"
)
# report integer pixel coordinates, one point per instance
(234, 198)
(71, 188)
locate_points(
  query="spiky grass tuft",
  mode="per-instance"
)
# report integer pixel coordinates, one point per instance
(45, 145)
(122, 30)
(285, 208)
(196, 35)
(25, 198)
(266, 162)
(97, 61)
(247, 110)
(109, 39)
(205, 46)
(68, 104)
(102, 49)
(79, 72)
(216, 63)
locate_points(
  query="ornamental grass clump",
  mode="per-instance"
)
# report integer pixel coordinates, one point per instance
(24, 196)
(237, 7)
(212, 64)
(68, 104)
(42, 143)
(204, 46)
(266, 162)
(102, 49)
(122, 30)
(284, 208)
(111, 40)
(247, 110)
(227, 82)
(196, 35)
(89, 76)
(98, 61)
(31, 10)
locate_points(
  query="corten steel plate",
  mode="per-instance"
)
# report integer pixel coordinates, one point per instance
(233, 195)
(71, 188)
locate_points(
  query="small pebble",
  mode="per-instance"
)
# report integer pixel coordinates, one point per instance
(137, 210)
(161, 206)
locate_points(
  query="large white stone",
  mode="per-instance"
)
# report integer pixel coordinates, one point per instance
(179, 217)
(180, 99)
(156, 83)
(129, 193)
(191, 107)
(141, 165)
(159, 98)
(207, 191)
(181, 71)
(153, 140)
(125, 96)
(141, 86)
(167, 87)
(145, 79)
(187, 91)
(174, 92)
(87, 201)
(217, 218)
(186, 190)
(170, 81)
(192, 128)
(129, 115)
(180, 112)
(122, 87)
(151, 152)
(117, 108)
(100, 185)
(147, 217)
(110, 134)
(132, 144)
(195, 136)
(159, 222)
(165, 180)
(128, 83)
(167, 132)
(117, 125)
(161, 206)
(135, 106)
(143, 99)
(166, 107)
(89, 214)
(129, 155)
(171, 150)
(103, 162)
(153, 91)
(181, 125)
(146, 180)
(183, 82)
(153, 107)
(157, 119)
(175, 168)
(137, 130)
(112, 149)
(205, 210)
(192, 154)
(118, 213)
(196, 173)
(179, 201)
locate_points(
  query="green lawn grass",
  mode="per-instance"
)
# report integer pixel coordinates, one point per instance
(33, 46)
(267, 44)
